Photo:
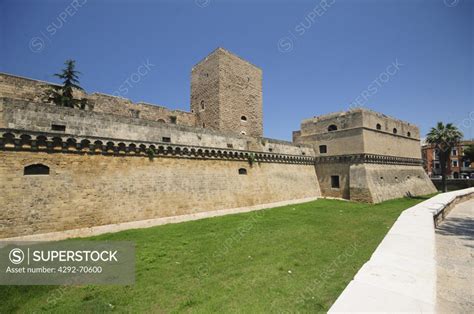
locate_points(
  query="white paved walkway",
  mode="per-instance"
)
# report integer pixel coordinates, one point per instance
(455, 260)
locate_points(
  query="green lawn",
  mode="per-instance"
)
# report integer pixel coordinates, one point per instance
(292, 258)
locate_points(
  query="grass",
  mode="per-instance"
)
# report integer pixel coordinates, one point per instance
(291, 258)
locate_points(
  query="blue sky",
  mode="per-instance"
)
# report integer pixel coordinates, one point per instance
(316, 57)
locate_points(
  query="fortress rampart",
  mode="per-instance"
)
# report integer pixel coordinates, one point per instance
(100, 171)
(119, 161)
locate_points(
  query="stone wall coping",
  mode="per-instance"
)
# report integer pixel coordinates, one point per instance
(143, 103)
(332, 115)
(401, 274)
(28, 79)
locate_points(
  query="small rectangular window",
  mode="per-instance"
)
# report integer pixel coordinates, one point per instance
(58, 127)
(166, 139)
(243, 171)
(173, 119)
(323, 149)
(230, 145)
(335, 182)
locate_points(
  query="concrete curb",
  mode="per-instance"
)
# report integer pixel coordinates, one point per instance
(92, 231)
(401, 274)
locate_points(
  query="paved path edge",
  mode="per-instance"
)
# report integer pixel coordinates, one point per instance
(401, 274)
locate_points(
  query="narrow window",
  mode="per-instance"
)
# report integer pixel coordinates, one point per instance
(335, 182)
(36, 169)
(379, 127)
(58, 127)
(323, 149)
(409, 134)
(243, 171)
(332, 127)
(173, 119)
(243, 118)
(202, 104)
(395, 131)
(203, 125)
(166, 139)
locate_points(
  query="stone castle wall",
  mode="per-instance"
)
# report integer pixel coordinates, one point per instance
(377, 183)
(361, 131)
(85, 190)
(39, 117)
(324, 172)
(373, 156)
(122, 161)
(372, 178)
(19, 88)
(391, 145)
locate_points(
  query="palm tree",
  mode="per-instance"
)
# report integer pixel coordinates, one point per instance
(64, 95)
(444, 138)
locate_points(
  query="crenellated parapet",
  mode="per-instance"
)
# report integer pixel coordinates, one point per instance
(22, 140)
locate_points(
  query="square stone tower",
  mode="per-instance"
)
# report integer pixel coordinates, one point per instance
(226, 94)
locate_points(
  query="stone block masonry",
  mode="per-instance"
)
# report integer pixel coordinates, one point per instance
(226, 94)
(91, 190)
(119, 162)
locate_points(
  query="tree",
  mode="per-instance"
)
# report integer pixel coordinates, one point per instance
(63, 95)
(469, 153)
(444, 138)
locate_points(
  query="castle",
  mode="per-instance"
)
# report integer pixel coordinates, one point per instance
(64, 168)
